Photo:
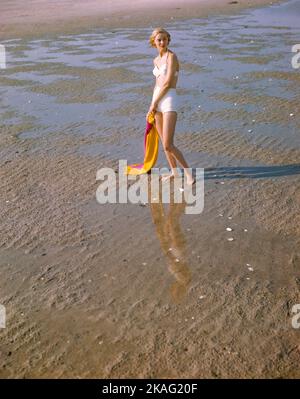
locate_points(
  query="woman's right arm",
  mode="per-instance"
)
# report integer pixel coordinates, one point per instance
(153, 90)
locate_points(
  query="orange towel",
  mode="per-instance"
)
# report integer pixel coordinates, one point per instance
(151, 143)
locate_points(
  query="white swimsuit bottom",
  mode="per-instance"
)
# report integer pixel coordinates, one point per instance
(169, 102)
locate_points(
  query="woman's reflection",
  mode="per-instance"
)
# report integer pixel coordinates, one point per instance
(173, 244)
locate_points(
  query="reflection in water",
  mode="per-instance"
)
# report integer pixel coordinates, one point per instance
(173, 244)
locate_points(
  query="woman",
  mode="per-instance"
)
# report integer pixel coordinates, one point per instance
(164, 101)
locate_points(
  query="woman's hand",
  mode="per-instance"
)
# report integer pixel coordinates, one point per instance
(152, 109)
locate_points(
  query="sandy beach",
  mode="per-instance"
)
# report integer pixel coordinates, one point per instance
(147, 291)
(44, 17)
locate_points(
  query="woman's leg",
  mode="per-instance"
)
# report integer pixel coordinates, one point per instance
(159, 123)
(159, 127)
(169, 124)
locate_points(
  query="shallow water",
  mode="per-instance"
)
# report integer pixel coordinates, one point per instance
(102, 81)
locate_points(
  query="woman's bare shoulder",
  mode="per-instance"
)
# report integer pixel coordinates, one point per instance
(174, 58)
(173, 54)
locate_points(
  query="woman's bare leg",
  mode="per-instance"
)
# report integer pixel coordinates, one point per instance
(169, 124)
(159, 127)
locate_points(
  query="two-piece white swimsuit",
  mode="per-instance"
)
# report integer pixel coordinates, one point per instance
(169, 102)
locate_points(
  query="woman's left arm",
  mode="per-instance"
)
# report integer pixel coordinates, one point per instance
(167, 83)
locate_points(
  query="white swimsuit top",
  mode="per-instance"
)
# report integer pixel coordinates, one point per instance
(162, 70)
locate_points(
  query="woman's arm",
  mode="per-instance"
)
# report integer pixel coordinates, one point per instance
(151, 109)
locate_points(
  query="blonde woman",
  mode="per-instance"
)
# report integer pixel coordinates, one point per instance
(164, 100)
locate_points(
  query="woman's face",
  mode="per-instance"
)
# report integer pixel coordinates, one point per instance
(161, 41)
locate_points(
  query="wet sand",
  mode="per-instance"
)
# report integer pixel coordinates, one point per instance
(43, 17)
(124, 290)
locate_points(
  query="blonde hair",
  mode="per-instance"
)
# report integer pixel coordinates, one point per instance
(155, 33)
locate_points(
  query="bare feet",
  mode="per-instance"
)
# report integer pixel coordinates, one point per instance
(167, 177)
(172, 175)
(190, 180)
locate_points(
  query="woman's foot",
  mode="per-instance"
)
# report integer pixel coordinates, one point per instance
(190, 180)
(172, 175)
(167, 177)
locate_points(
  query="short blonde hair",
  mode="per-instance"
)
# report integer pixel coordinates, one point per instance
(155, 33)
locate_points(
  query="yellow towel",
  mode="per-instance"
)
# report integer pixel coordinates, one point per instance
(151, 143)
